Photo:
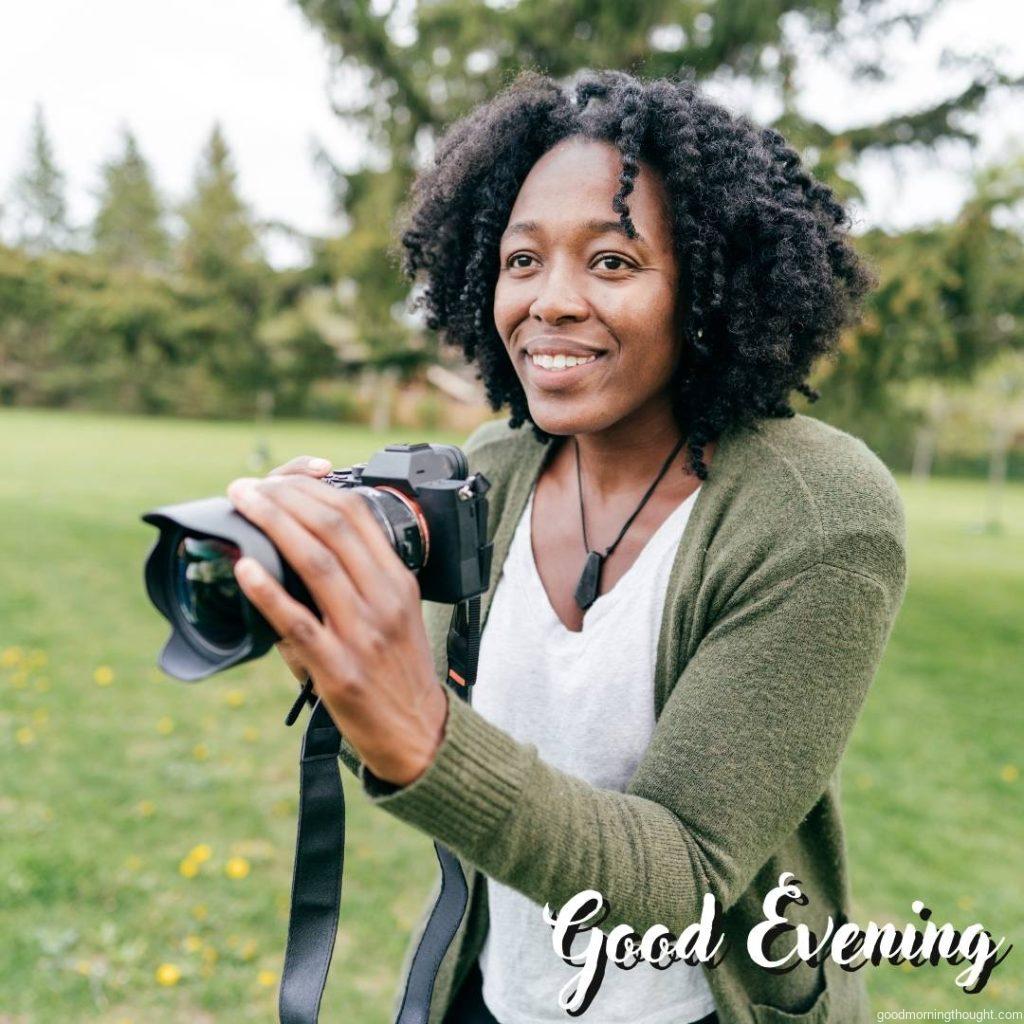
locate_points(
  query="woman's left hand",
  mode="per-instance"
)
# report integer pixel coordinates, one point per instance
(370, 658)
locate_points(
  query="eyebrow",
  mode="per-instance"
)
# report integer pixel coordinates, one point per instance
(596, 227)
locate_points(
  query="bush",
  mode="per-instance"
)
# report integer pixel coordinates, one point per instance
(338, 401)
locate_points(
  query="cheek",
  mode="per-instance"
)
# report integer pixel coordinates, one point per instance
(646, 329)
(509, 309)
(628, 312)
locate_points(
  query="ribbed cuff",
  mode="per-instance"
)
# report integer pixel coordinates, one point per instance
(349, 757)
(470, 787)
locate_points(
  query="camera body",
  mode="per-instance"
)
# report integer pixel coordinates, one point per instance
(422, 496)
(454, 520)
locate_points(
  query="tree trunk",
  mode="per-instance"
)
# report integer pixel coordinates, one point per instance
(1002, 430)
(260, 458)
(924, 453)
(384, 394)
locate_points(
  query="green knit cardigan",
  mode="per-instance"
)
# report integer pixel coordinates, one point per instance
(780, 601)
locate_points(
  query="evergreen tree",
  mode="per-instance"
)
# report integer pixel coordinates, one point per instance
(129, 229)
(220, 237)
(424, 63)
(39, 200)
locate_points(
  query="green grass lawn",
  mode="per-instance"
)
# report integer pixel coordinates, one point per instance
(148, 825)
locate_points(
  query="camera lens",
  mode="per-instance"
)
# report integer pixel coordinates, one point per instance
(207, 599)
(402, 522)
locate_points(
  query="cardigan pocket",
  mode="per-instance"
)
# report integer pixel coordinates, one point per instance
(817, 1013)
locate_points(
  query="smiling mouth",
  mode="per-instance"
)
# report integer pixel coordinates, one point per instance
(557, 377)
(562, 363)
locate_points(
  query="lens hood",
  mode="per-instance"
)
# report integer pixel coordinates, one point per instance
(187, 654)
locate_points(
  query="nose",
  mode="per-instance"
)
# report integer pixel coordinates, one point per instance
(558, 297)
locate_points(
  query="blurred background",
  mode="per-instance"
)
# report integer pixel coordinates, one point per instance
(198, 282)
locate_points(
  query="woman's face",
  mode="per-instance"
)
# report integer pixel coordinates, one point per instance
(571, 282)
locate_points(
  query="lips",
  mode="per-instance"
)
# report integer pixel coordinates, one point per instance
(552, 345)
(545, 379)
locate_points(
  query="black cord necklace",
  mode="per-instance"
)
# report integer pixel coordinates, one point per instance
(590, 578)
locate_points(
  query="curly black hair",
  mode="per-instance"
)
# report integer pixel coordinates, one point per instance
(767, 273)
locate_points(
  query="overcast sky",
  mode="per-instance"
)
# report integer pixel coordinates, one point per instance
(170, 70)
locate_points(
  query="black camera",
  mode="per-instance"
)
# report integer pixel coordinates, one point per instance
(422, 495)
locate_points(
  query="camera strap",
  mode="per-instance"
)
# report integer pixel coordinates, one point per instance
(320, 852)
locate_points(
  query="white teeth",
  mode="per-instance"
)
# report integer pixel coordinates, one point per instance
(560, 361)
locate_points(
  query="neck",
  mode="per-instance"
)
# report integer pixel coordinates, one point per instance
(625, 457)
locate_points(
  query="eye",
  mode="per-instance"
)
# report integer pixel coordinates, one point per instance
(518, 256)
(624, 264)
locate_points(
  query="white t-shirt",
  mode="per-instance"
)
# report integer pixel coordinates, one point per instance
(563, 691)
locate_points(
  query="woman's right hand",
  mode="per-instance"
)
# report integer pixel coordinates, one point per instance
(304, 465)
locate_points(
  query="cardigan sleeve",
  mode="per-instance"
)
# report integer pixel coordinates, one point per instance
(349, 757)
(744, 747)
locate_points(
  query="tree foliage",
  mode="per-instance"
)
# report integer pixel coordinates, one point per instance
(128, 230)
(40, 204)
(220, 239)
(405, 70)
(175, 310)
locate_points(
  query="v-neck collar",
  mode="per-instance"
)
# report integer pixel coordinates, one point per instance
(687, 566)
(603, 601)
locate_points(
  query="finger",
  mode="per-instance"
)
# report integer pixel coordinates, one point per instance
(293, 622)
(334, 527)
(292, 660)
(328, 582)
(307, 465)
(368, 530)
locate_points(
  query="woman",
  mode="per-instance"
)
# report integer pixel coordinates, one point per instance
(691, 587)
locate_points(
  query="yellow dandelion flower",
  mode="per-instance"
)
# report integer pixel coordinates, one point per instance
(248, 949)
(83, 967)
(1009, 773)
(11, 656)
(133, 862)
(250, 734)
(234, 698)
(200, 751)
(40, 716)
(103, 676)
(188, 868)
(42, 684)
(26, 736)
(201, 853)
(267, 979)
(210, 955)
(192, 943)
(20, 679)
(237, 867)
(37, 659)
(199, 912)
(165, 726)
(145, 808)
(168, 974)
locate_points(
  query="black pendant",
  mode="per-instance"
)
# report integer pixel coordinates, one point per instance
(590, 580)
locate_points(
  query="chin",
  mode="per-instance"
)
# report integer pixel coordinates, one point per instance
(563, 422)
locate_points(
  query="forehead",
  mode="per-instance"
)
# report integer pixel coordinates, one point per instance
(570, 188)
